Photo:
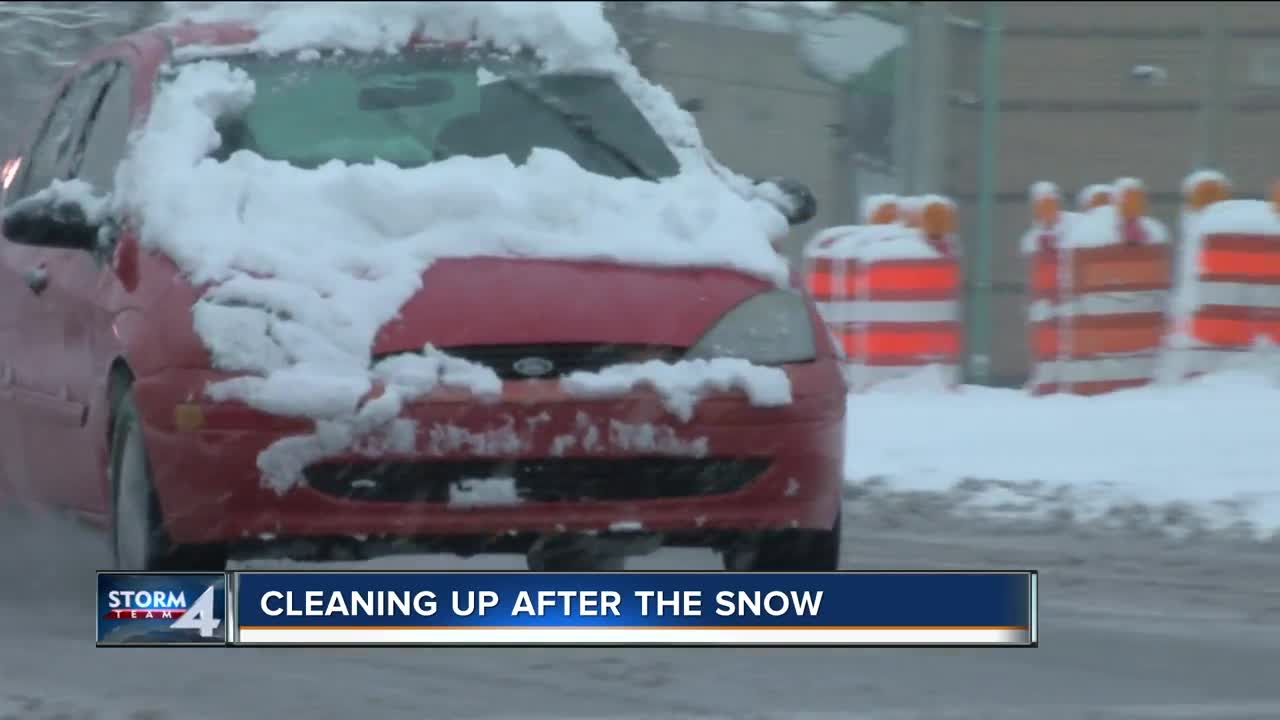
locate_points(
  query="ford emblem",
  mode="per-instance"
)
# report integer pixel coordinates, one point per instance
(533, 366)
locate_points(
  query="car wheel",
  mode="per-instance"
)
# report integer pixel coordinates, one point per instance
(788, 551)
(138, 538)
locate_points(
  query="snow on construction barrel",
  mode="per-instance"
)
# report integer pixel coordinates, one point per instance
(1227, 300)
(888, 289)
(1100, 280)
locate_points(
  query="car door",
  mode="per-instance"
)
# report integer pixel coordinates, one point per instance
(36, 165)
(41, 414)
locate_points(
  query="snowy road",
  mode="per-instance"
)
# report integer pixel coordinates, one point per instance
(1132, 628)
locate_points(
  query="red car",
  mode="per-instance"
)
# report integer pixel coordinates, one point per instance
(103, 378)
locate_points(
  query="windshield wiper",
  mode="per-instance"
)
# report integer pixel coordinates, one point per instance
(581, 125)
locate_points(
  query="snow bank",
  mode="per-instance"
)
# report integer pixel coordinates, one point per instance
(306, 266)
(682, 384)
(1186, 458)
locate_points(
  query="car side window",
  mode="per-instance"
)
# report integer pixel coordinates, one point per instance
(37, 171)
(51, 154)
(107, 131)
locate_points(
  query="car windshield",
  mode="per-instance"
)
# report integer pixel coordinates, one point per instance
(430, 104)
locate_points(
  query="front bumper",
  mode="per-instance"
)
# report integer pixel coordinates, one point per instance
(210, 489)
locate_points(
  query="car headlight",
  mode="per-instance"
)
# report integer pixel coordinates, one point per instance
(771, 328)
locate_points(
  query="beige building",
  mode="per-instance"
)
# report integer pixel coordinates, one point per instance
(1089, 92)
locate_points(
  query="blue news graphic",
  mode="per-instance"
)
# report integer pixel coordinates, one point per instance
(577, 600)
(162, 609)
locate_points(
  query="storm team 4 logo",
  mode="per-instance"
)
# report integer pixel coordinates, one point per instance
(162, 609)
(161, 605)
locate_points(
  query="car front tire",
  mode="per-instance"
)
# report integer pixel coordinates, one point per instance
(138, 539)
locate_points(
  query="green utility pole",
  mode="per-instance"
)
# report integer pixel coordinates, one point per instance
(1214, 96)
(979, 270)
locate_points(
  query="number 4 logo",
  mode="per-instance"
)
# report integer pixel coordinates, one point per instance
(199, 616)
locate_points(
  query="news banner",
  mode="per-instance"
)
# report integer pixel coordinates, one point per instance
(874, 609)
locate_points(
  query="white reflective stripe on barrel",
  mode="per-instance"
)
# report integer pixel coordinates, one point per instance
(909, 311)
(1237, 294)
(1138, 367)
(1102, 304)
(1202, 360)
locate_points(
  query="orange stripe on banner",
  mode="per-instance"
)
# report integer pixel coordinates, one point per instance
(920, 342)
(1143, 273)
(1242, 243)
(1234, 332)
(1239, 312)
(1120, 253)
(1106, 269)
(905, 361)
(1219, 264)
(911, 281)
(1084, 338)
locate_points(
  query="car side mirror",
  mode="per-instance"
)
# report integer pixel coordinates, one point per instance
(46, 220)
(798, 204)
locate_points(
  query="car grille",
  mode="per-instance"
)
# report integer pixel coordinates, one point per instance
(563, 358)
(549, 480)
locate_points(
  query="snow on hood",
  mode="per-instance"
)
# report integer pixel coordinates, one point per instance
(306, 266)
